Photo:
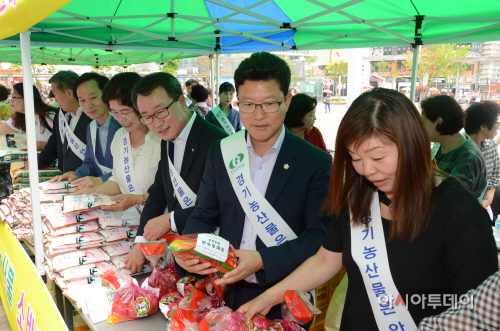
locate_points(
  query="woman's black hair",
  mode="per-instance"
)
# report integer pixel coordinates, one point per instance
(120, 88)
(448, 109)
(300, 105)
(226, 87)
(4, 93)
(481, 113)
(199, 93)
(41, 109)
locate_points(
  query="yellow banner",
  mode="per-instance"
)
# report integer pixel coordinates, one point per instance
(27, 302)
(19, 15)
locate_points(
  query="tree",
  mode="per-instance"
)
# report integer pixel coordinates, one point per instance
(310, 60)
(293, 73)
(337, 69)
(170, 67)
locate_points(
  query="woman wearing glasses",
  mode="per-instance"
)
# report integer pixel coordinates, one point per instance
(43, 116)
(135, 148)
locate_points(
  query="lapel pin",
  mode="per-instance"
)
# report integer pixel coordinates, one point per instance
(192, 150)
(286, 166)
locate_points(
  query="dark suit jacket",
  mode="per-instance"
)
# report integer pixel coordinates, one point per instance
(55, 149)
(161, 193)
(296, 193)
(89, 166)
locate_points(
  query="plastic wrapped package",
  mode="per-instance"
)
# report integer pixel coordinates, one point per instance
(91, 226)
(185, 285)
(51, 252)
(169, 302)
(79, 257)
(51, 198)
(73, 240)
(185, 247)
(182, 320)
(4, 211)
(58, 220)
(130, 301)
(157, 283)
(119, 262)
(118, 234)
(297, 308)
(50, 207)
(216, 320)
(84, 271)
(258, 323)
(114, 219)
(80, 203)
(284, 325)
(121, 248)
(51, 276)
(62, 187)
(197, 303)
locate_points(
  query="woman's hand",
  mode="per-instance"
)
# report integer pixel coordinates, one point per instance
(68, 176)
(88, 181)
(87, 190)
(260, 305)
(125, 201)
(195, 267)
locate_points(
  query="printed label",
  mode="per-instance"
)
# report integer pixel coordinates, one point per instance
(212, 246)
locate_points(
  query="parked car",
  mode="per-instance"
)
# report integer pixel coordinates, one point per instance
(463, 99)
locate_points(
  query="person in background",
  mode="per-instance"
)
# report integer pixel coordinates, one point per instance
(5, 110)
(481, 125)
(133, 141)
(98, 163)
(453, 152)
(186, 140)
(327, 102)
(199, 95)
(224, 116)
(44, 116)
(189, 85)
(209, 98)
(300, 119)
(401, 227)
(283, 179)
(68, 117)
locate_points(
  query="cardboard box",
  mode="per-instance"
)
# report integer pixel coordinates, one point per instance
(323, 295)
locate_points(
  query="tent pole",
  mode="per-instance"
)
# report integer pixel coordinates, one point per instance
(414, 70)
(29, 107)
(218, 75)
(457, 89)
(212, 89)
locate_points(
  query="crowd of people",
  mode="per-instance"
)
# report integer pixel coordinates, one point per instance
(403, 220)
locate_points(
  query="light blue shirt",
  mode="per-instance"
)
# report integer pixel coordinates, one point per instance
(103, 132)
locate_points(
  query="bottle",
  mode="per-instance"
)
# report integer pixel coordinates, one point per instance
(497, 227)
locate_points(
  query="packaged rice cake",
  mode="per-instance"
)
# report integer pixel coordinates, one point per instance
(62, 187)
(58, 220)
(80, 203)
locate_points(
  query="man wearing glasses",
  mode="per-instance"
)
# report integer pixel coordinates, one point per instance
(263, 186)
(187, 138)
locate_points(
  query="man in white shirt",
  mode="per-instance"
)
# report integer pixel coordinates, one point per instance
(57, 147)
(187, 138)
(263, 186)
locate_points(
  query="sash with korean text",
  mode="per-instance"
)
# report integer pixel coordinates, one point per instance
(127, 166)
(369, 251)
(266, 221)
(223, 120)
(74, 142)
(93, 132)
(184, 194)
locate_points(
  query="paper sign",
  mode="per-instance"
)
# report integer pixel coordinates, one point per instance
(99, 303)
(212, 246)
(152, 290)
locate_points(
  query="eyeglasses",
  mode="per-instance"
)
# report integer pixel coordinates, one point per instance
(159, 114)
(118, 115)
(267, 107)
(14, 98)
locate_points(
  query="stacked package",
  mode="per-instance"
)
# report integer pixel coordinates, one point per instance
(16, 212)
(20, 177)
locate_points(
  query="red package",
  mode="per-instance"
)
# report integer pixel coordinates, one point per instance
(185, 284)
(258, 323)
(238, 322)
(213, 288)
(169, 302)
(297, 308)
(216, 320)
(202, 285)
(284, 325)
(171, 276)
(184, 248)
(157, 283)
(132, 302)
(182, 320)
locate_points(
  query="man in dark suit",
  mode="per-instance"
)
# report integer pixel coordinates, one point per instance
(285, 175)
(187, 138)
(57, 146)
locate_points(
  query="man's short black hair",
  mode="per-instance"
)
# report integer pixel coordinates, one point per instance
(120, 88)
(199, 93)
(263, 66)
(226, 87)
(100, 79)
(147, 84)
(481, 113)
(64, 80)
(300, 105)
(192, 81)
(4, 93)
(448, 109)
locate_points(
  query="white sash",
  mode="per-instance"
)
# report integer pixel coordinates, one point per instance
(93, 131)
(74, 143)
(184, 194)
(268, 224)
(369, 251)
(127, 166)
(223, 120)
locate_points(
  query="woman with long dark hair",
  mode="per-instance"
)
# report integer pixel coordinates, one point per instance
(405, 231)
(43, 116)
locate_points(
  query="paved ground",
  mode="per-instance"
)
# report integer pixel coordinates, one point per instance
(328, 123)
(4, 323)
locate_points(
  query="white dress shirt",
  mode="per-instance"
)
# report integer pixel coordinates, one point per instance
(261, 169)
(179, 148)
